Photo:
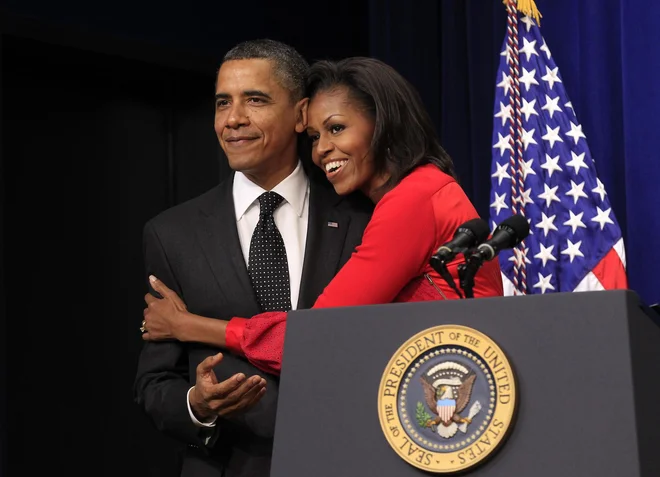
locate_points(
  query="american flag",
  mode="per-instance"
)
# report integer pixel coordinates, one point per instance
(542, 168)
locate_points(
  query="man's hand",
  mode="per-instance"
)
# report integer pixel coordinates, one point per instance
(209, 398)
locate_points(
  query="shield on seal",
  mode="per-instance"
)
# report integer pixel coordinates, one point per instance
(445, 409)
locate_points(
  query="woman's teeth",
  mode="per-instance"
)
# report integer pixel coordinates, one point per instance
(334, 166)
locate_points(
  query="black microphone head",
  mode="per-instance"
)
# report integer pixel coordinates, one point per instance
(476, 227)
(508, 234)
(469, 234)
(519, 228)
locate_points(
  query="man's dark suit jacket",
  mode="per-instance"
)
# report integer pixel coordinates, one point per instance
(195, 250)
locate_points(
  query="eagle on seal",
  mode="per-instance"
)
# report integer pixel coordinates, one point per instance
(447, 392)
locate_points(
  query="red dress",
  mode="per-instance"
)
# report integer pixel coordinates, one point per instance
(391, 265)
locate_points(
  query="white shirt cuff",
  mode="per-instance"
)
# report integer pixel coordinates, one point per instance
(196, 421)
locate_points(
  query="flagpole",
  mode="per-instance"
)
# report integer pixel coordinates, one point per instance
(516, 162)
(515, 132)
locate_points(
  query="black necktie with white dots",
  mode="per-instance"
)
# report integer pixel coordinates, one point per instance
(267, 265)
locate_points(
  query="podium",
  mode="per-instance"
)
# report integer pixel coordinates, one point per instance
(587, 372)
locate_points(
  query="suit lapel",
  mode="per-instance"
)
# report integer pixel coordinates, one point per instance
(326, 233)
(218, 237)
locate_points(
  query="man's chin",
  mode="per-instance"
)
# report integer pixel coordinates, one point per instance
(242, 163)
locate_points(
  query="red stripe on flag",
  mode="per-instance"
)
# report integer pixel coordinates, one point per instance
(610, 272)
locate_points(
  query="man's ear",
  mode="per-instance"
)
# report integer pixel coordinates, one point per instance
(301, 115)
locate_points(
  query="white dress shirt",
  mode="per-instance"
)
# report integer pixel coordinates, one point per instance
(291, 218)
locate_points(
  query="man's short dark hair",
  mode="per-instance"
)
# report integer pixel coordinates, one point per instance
(288, 65)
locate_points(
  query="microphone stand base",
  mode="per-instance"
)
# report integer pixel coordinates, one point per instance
(466, 273)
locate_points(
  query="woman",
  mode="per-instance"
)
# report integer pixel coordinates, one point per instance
(369, 132)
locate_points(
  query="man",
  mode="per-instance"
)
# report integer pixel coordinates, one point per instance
(269, 237)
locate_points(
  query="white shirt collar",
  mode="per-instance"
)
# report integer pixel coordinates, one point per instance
(293, 189)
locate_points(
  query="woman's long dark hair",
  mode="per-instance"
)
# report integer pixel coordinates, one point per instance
(404, 136)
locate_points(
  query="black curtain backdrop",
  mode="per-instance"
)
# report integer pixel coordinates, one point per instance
(3, 310)
(89, 156)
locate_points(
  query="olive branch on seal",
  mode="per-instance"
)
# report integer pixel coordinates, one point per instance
(421, 415)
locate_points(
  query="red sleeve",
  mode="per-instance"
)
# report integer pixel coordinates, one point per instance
(260, 339)
(234, 335)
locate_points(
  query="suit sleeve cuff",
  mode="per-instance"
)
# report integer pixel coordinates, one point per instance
(234, 335)
(196, 421)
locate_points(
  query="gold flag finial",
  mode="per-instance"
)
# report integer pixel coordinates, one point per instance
(528, 7)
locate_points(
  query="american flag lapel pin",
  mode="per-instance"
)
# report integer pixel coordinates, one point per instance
(333, 224)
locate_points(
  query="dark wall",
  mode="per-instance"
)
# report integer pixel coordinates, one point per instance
(170, 31)
(3, 310)
(107, 119)
(89, 143)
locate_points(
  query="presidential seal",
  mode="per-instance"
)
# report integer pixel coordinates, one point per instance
(447, 399)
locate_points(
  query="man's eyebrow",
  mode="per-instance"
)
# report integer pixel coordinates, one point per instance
(256, 92)
(250, 92)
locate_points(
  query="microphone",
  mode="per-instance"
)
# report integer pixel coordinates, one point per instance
(508, 234)
(468, 235)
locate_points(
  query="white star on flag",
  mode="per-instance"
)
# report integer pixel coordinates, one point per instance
(575, 221)
(528, 108)
(551, 105)
(572, 249)
(505, 84)
(503, 144)
(527, 21)
(544, 283)
(576, 191)
(551, 164)
(528, 79)
(501, 173)
(549, 194)
(545, 254)
(505, 113)
(546, 50)
(603, 217)
(600, 190)
(547, 223)
(528, 49)
(576, 132)
(500, 203)
(577, 162)
(552, 136)
(551, 77)
(528, 137)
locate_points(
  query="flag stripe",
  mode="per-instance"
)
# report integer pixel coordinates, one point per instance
(589, 283)
(621, 251)
(507, 285)
(610, 272)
